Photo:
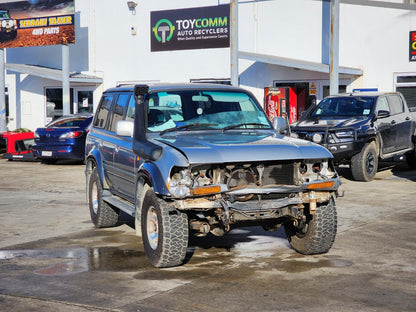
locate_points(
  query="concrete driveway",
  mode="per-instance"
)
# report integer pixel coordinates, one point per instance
(53, 259)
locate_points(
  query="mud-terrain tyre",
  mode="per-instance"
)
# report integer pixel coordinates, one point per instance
(364, 165)
(165, 233)
(102, 214)
(318, 235)
(411, 159)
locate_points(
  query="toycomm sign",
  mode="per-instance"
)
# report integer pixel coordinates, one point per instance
(36, 23)
(194, 28)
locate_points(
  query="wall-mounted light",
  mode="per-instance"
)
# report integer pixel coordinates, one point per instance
(132, 6)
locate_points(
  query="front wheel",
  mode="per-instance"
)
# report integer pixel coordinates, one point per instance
(165, 232)
(102, 214)
(317, 234)
(364, 165)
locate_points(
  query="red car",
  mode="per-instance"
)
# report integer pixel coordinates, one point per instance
(17, 145)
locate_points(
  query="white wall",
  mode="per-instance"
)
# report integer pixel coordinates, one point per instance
(373, 39)
(376, 40)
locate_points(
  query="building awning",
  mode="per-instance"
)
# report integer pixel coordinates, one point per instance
(295, 63)
(52, 73)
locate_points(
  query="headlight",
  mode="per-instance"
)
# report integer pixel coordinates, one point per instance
(294, 135)
(4, 23)
(180, 182)
(37, 135)
(317, 138)
(344, 134)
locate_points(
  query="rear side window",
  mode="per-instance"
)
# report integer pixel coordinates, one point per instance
(396, 104)
(102, 112)
(118, 110)
(383, 104)
(68, 122)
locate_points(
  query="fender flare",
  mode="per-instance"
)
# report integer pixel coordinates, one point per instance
(151, 174)
(148, 177)
(93, 160)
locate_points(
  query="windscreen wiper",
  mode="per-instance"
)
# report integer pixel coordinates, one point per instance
(187, 126)
(243, 124)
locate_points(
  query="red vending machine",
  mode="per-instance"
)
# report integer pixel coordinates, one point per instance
(282, 102)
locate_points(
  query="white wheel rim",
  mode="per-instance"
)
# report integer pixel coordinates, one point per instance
(152, 228)
(94, 197)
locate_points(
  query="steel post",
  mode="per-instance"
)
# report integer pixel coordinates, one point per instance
(65, 80)
(234, 41)
(3, 124)
(334, 49)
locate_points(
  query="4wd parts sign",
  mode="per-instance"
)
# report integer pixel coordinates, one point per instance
(194, 28)
(36, 23)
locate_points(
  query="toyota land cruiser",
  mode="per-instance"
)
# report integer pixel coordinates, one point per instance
(198, 158)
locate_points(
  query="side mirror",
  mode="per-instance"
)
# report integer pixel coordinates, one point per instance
(125, 128)
(383, 114)
(280, 124)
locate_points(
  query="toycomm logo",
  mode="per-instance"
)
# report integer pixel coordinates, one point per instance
(163, 30)
(194, 28)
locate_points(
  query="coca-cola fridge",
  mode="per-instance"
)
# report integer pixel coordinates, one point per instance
(281, 101)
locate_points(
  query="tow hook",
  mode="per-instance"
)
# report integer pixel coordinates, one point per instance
(225, 215)
(312, 202)
(340, 193)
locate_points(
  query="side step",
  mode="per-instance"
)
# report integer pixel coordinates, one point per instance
(121, 204)
(397, 153)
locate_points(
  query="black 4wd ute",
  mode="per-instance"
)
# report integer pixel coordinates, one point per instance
(360, 128)
(197, 159)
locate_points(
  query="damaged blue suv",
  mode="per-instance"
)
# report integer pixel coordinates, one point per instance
(194, 159)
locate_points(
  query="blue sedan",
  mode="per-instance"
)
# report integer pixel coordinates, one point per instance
(63, 138)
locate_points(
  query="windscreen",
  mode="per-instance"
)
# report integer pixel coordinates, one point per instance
(344, 107)
(201, 110)
(4, 14)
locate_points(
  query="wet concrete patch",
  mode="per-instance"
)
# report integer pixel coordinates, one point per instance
(118, 250)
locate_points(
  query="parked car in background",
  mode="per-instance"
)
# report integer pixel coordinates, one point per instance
(359, 128)
(63, 138)
(17, 144)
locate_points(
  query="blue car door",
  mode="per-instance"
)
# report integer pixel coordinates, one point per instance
(123, 168)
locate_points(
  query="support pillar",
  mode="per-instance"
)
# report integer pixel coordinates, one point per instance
(65, 80)
(334, 49)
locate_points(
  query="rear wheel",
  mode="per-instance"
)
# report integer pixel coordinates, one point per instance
(317, 234)
(411, 159)
(102, 214)
(165, 233)
(364, 165)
